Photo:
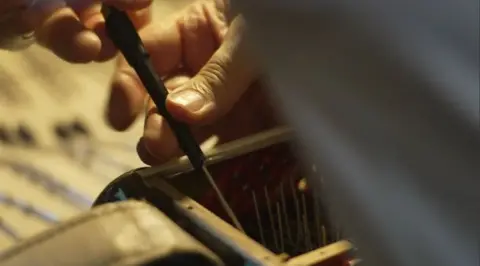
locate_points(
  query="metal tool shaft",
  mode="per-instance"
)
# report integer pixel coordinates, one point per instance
(222, 199)
(124, 35)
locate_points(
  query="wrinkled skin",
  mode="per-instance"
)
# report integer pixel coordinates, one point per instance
(72, 29)
(199, 51)
(200, 54)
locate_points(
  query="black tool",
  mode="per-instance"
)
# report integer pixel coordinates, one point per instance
(124, 35)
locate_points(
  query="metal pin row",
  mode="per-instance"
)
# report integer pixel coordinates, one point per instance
(303, 235)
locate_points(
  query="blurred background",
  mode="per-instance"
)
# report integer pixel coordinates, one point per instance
(56, 150)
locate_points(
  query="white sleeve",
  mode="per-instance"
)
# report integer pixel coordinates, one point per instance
(384, 96)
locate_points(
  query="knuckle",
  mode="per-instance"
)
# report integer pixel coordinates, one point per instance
(194, 18)
(196, 11)
(221, 9)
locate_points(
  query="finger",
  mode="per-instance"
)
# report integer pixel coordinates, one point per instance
(61, 31)
(218, 85)
(144, 155)
(216, 12)
(163, 41)
(127, 92)
(121, 4)
(199, 42)
(92, 17)
(141, 17)
(12, 22)
(20, 18)
(159, 140)
(128, 4)
(158, 137)
(126, 99)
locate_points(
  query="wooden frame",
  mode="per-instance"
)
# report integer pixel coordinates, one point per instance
(157, 177)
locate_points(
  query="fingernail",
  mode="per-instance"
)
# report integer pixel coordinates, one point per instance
(191, 100)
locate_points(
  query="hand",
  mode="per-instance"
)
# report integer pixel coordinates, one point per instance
(207, 67)
(72, 29)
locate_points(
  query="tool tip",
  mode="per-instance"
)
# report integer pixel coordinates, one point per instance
(206, 172)
(224, 203)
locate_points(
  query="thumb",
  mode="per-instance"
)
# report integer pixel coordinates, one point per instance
(219, 84)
